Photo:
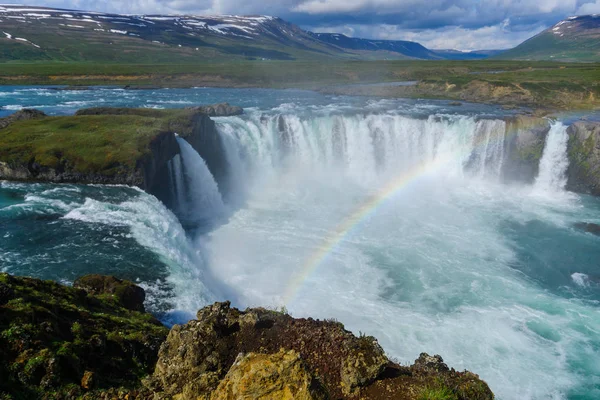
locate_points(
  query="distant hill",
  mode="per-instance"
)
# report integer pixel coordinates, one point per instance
(384, 48)
(467, 55)
(30, 33)
(572, 39)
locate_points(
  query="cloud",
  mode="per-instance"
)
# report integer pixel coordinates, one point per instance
(494, 37)
(589, 8)
(463, 24)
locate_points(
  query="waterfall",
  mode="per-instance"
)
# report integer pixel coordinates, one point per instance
(554, 161)
(363, 148)
(196, 194)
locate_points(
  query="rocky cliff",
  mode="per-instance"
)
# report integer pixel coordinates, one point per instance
(584, 157)
(108, 145)
(524, 143)
(94, 341)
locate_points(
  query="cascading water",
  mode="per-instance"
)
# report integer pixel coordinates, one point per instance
(198, 200)
(554, 162)
(401, 227)
(363, 148)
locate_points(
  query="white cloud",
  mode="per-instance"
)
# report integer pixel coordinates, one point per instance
(589, 8)
(458, 38)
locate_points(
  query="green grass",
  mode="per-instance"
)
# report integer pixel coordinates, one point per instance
(540, 84)
(88, 143)
(440, 393)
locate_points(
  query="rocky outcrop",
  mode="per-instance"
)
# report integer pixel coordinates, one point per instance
(58, 342)
(219, 110)
(282, 375)
(125, 293)
(23, 115)
(524, 145)
(129, 146)
(228, 351)
(584, 226)
(90, 342)
(583, 150)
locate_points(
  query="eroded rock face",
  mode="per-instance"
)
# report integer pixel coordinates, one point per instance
(280, 376)
(524, 146)
(196, 356)
(583, 150)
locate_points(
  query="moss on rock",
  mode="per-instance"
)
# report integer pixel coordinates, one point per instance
(60, 342)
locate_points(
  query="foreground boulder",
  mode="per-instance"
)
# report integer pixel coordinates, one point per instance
(263, 354)
(583, 149)
(60, 342)
(275, 376)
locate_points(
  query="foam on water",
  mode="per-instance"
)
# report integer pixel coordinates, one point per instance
(437, 268)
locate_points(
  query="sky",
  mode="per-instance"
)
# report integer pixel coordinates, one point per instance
(437, 24)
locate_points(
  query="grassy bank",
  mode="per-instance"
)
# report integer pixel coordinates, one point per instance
(104, 144)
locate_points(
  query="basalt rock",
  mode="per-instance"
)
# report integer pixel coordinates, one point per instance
(525, 139)
(59, 342)
(583, 149)
(227, 353)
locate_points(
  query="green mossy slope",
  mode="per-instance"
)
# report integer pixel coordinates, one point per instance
(60, 342)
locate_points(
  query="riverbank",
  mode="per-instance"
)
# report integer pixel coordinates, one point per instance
(546, 86)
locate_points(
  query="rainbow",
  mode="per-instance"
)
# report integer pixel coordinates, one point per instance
(368, 208)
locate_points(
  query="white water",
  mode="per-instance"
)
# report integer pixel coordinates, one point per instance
(431, 269)
(554, 162)
(199, 200)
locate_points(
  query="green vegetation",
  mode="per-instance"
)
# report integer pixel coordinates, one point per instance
(90, 143)
(538, 84)
(56, 340)
(439, 393)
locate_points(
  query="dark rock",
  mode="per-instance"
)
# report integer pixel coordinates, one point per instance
(525, 139)
(455, 103)
(219, 110)
(588, 227)
(23, 115)
(583, 150)
(196, 356)
(6, 293)
(126, 293)
(427, 365)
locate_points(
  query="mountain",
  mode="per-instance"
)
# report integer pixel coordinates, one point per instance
(572, 39)
(467, 55)
(382, 48)
(31, 33)
(40, 33)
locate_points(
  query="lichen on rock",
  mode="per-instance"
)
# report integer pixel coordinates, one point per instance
(279, 376)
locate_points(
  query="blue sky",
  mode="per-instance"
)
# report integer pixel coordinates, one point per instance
(438, 24)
